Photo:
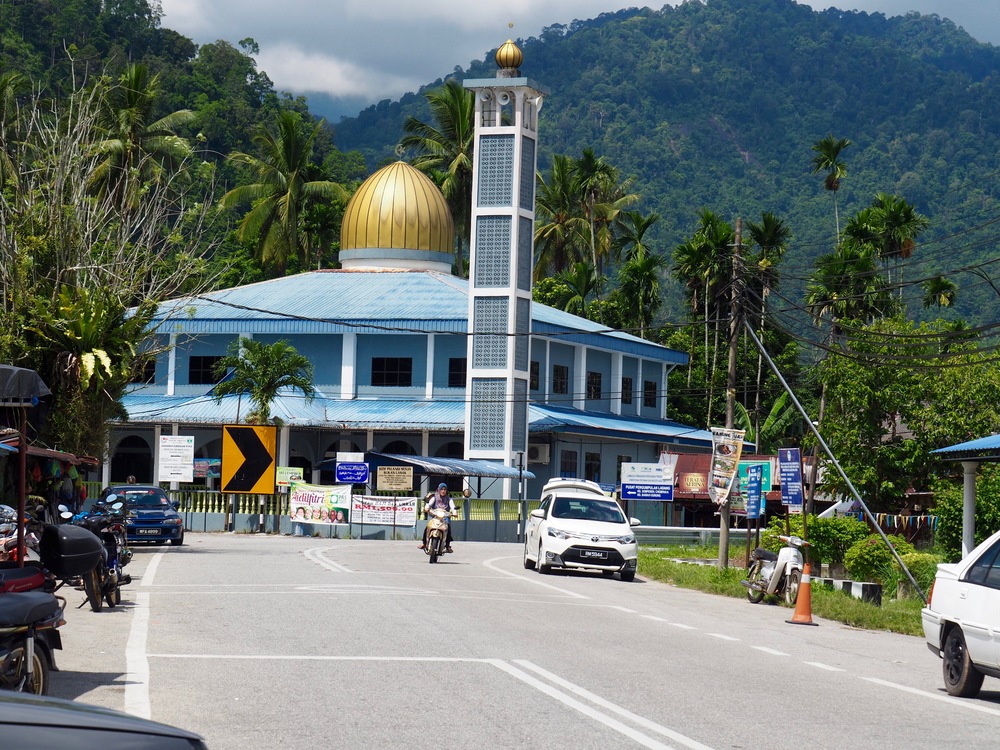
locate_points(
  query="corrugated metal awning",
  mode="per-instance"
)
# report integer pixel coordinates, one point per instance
(981, 449)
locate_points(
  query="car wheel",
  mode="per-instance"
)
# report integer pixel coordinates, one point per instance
(179, 540)
(628, 575)
(961, 678)
(529, 564)
(542, 567)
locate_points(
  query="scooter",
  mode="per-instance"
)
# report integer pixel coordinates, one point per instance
(28, 638)
(437, 533)
(776, 574)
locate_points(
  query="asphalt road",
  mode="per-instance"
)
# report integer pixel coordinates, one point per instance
(263, 642)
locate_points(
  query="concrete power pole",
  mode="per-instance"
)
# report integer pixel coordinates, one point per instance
(734, 327)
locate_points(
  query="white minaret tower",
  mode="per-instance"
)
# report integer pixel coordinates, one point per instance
(500, 268)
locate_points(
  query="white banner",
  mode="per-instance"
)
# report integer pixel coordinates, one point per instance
(319, 503)
(726, 448)
(384, 511)
(176, 458)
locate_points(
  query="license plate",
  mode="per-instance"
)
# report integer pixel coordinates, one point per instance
(148, 532)
(594, 554)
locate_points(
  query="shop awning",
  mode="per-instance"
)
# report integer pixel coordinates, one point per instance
(20, 386)
(443, 467)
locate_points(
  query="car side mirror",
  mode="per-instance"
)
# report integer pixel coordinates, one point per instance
(634, 522)
(175, 504)
(538, 513)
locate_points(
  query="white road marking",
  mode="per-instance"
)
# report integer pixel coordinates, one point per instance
(963, 702)
(626, 610)
(722, 636)
(137, 660)
(316, 556)
(821, 665)
(682, 626)
(608, 705)
(654, 618)
(771, 651)
(530, 579)
(147, 577)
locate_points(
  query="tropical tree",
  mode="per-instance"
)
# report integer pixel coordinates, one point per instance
(939, 292)
(561, 230)
(135, 150)
(603, 196)
(631, 239)
(444, 152)
(580, 283)
(770, 239)
(828, 151)
(639, 288)
(12, 85)
(286, 186)
(896, 226)
(260, 371)
(768, 435)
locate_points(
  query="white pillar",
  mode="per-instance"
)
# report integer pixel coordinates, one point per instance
(157, 431)
(969, 469)
(176, 430)
(616, 383)
(348, 365)
(579, 384)
(429, 375)
(172, 365)
(284, 449)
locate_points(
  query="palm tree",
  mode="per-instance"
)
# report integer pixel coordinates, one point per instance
(770, 237)
(137, 151)
(602, 197)
(445, 152)
(260, 371)
(846, 285)
(278, 200)
(11, 85)
(896, 226)
(639, 286)
(581, 281)
(631, 240)
(939, 291)
(827, 158)
(561, 230)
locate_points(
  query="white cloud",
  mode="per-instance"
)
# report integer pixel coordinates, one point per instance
(298, 71)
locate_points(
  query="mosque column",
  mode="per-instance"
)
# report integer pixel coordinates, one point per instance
(500, 268)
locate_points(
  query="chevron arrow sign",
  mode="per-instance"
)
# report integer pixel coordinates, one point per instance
(248, 463)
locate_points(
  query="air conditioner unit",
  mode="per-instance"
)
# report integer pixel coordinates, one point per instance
(539, 454)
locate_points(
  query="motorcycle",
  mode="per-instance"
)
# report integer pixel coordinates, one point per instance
(777, 574)
(104, 582)
(438, 521)
(28, 637)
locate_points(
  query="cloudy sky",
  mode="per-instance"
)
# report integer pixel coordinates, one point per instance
(358, 52)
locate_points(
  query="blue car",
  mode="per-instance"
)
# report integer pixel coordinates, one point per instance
(151, 515)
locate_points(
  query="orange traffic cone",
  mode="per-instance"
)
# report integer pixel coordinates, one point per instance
(803, 604)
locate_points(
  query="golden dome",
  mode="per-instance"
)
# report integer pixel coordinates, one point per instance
(397, 208)
(509, 55)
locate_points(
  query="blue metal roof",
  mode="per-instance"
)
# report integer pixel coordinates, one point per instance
(984, 449)
(409, 414)
(391, 301)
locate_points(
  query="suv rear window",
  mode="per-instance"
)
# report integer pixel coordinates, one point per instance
(584, 509)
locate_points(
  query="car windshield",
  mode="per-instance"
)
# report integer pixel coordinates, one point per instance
(582, 509)
(151, 498)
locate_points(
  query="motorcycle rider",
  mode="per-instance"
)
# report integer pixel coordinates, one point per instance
(443, 501)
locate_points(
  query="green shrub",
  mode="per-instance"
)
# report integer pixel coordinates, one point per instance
(948, 508)
(829, 538)
(923, 567)
(871, 560)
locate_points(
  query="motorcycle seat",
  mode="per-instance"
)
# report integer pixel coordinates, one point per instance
(763, 554)
(26, 607)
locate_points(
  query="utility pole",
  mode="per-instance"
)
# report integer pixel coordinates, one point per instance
(734, 327)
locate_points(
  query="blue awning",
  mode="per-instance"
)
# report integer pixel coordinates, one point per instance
(983, 449)
(443, 467)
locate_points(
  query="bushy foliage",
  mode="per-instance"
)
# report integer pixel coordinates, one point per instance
(829, 538)
(871, 560)
(948, 508)
(923, 567)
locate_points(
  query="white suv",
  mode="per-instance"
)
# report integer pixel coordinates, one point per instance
(962, 618)
(578, 526)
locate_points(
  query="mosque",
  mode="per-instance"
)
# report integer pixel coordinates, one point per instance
(411, 360)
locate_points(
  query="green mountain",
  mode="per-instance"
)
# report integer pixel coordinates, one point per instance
(717, 104)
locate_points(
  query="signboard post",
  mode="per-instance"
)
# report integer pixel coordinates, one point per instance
(248, 464)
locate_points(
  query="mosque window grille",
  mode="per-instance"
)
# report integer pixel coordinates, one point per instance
(489, 411)
(489, 339)
(525, 228)
(522, 318)
(492, 251)
(496, 170)
(527, 186)
(520, 415)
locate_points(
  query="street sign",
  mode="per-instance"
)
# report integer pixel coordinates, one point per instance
(248, 458)
(352, 473)
(647, 481)
(395, 478)
(790, 475)
(176, 458)
(288, 474)
(753, 496)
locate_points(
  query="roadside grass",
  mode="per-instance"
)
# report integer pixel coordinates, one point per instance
(657, 563)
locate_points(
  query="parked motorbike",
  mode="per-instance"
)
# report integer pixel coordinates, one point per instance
(104, 582)
(28, 637)
(438, 521)
(777, 574)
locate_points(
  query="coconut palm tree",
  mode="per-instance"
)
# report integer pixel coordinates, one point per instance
(444, 152)
(602, 197)
(631, 238)
(277, 201)
(136, 150)
(639, 287)
(259, 371)
(828, 151)
(581, 282)
(561, 231)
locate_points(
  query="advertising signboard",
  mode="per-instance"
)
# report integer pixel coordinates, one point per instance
(176, 461)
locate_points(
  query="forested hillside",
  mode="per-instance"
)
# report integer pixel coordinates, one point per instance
(717, 105)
